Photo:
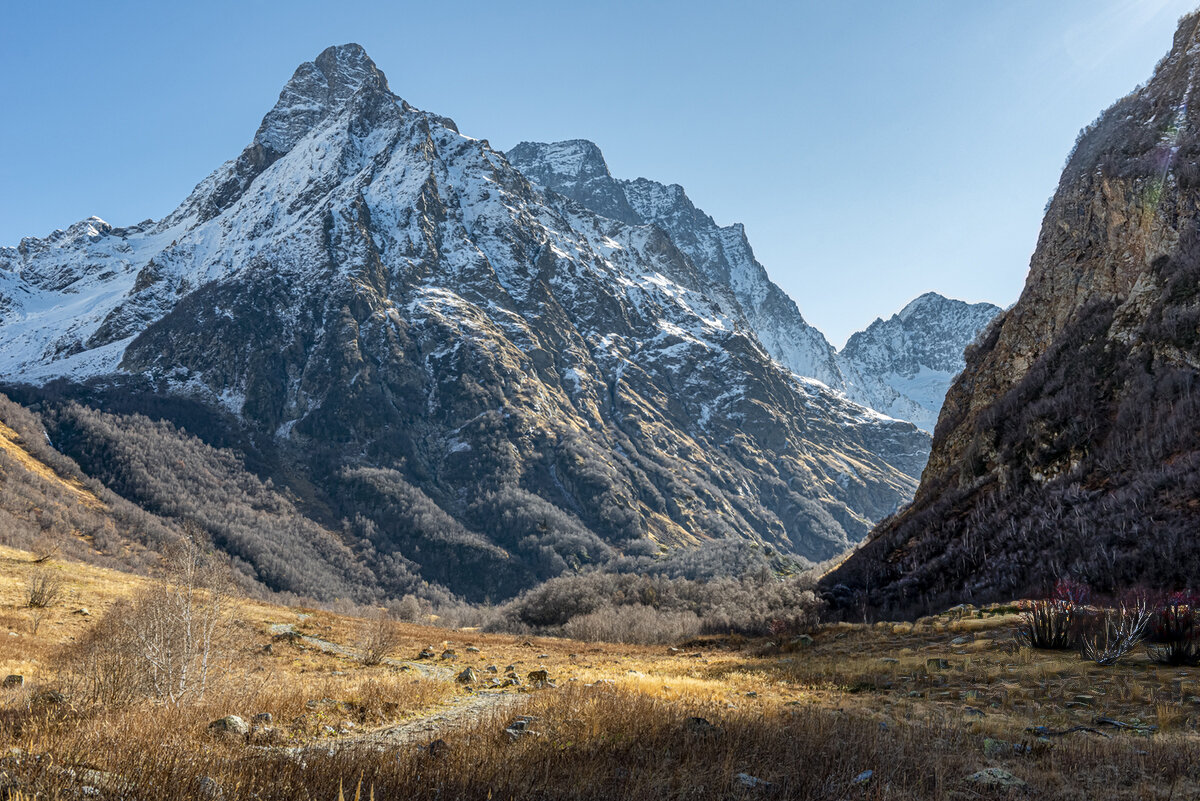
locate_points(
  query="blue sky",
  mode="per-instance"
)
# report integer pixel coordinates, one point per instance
(874, 150)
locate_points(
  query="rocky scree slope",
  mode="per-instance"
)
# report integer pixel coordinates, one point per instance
(1069, 444)
(903, 366)
(467, 378)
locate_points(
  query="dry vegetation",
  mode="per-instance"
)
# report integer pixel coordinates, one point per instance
(805, 718)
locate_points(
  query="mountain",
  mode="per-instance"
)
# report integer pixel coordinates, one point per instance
(903, 366)
(1070, 444)
(577, 170)
(452, 375)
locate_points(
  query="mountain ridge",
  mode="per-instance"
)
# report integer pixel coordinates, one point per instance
(484, 384)
(1067, 447)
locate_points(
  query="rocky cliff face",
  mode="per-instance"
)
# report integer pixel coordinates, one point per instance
(576, 169)
(1069, 442)
(471, 379)
(904, 365)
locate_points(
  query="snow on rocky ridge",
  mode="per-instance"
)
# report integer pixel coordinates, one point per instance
(364, 277)
(901, 368)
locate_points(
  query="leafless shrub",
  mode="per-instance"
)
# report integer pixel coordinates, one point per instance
(106, 667)
(1055, 623)
(636, 623)
(43, 588)
(1117, 632)
(45, 548)
(170, 643)
(380, 637)
(1176, 630)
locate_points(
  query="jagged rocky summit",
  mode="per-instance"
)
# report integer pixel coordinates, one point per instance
(904, 365)
(466, 378)
(901, 367)
(1069, 444)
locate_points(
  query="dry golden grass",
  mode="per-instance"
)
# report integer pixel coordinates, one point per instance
(10, 442)
(807, 717)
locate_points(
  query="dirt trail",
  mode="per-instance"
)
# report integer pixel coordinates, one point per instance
(458, 713)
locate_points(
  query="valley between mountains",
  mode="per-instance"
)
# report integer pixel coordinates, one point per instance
(400, 362)
(395, 465)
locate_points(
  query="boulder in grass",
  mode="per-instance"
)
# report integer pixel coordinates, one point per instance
(996, 778)
(230, 725)
(748, 782)
(468, 676)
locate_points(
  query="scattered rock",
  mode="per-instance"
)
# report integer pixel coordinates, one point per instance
(510, 668)
(936, 663)
(48, 698)
(230, 724)
(697, 725)
(890, 660)
(468, 676)
(863, 777)
(803, 640)
(449, 654)
(427, 653)
(267, 649)
(1133, 725)
(539, 678)
(471, 649)
(996, 777)
(994, 749)
(748, 782)
(207, 787)
(492, 669)
(960, 641)
(13, 681)
(265, 735)
(83, 610)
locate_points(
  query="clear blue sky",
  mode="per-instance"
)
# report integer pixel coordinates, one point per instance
(874, 150)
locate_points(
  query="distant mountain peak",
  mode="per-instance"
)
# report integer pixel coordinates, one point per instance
(316, 89)
(571, 158)
(903, 365)
(577, 170)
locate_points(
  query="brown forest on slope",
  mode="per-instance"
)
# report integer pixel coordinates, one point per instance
(1070, 444)
(48, 503)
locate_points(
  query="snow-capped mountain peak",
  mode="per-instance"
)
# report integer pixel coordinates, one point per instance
(318, 88)
(547, 383)
(904, 365)
(576, 169)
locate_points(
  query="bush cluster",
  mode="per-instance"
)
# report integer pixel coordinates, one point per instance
(1167, 624)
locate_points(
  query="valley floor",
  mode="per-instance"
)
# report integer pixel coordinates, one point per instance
(946, 708)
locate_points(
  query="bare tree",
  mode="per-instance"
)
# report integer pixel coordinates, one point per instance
(43, 588)
(380, 637)
(181, 625)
